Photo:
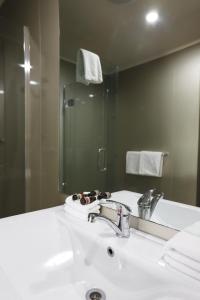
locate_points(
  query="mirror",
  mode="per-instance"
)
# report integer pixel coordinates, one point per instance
(149, 98)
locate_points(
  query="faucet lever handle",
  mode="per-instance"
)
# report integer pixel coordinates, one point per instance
(122, 209)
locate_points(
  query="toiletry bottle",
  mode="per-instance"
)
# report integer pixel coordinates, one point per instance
(76, 196)
(87, 200)
(94, 193)
(104, 195)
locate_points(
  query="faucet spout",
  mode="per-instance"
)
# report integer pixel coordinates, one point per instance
(121, 228)
(107, 221)
(147, 203)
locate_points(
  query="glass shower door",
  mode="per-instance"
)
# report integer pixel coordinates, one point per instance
(84, 136)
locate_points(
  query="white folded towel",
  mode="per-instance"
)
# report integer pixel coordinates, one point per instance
(187, 242)
(132, 162)
(88, 68)
(76, 209)
(151, 163)
(182, 251)
(174, 264)
(183, 259)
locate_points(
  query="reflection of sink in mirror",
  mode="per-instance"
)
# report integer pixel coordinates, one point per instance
(45, 256)
(168, 213)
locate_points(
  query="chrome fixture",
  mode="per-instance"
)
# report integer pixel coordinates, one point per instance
(102, 159)
(121, 227)
(147, 203)
(95, 294)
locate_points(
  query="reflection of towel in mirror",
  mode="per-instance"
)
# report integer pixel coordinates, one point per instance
(151, 163)
(145, 163)
(182, 251)
(88, 68)
(77, 210)
(132, 162)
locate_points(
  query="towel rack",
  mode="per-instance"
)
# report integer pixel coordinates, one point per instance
(165, 154)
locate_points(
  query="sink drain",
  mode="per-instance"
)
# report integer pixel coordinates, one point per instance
(95, 294)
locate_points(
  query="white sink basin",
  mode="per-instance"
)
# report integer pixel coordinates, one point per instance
(45, 256)
(168, 213)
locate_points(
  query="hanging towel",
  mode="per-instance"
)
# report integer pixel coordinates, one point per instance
(151, 163)
(132, 162)
(88, 68)
(182, 251)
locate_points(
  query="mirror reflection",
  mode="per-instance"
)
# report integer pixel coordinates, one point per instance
(147, 104)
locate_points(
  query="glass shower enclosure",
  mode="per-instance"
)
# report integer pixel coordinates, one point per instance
(86, 116)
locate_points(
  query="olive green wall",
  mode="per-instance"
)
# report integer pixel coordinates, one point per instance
(158, 110)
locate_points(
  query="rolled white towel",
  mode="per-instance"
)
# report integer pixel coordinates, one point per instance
(76, 205)
(77, 210)
(80, 215)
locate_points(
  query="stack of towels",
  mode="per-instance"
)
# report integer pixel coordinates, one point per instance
(182, 252)
(146, 163)
(77, 210)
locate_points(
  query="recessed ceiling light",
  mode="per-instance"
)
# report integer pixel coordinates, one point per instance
(27, 66)
(152, 17)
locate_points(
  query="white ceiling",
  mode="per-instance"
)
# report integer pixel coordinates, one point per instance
(117, 31)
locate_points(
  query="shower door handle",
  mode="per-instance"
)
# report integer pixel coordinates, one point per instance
(102, 161)
(62, 183)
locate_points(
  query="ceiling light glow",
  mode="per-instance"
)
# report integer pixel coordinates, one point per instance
(152, 17)
(27, 66)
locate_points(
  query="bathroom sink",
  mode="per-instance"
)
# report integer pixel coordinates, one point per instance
(47, 256)
(175, 215)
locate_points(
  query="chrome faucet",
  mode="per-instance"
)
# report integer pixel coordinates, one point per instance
(147, 203)
(121, 227)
